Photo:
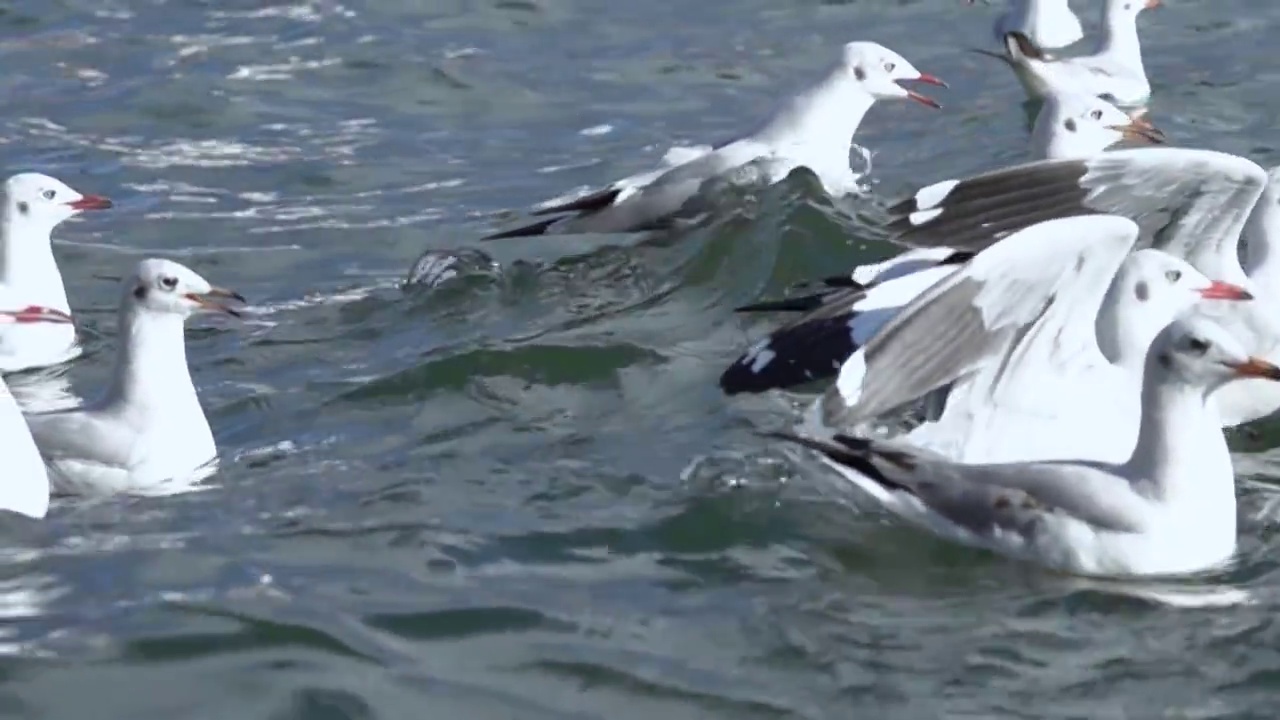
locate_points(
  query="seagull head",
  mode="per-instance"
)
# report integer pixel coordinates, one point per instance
(1075, 126)
(1152, 275)
(1199, 351)
(880, 71)
(44, 202)
(164, 286)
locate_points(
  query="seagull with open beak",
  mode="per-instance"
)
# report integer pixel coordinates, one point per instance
(33, 205)
(148, 435)
(813, 129)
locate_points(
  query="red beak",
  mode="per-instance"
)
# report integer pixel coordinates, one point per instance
(928, 79)
(1218, 290)
(38, 313)
(924, 99)
(90, 202)
(1152, 4)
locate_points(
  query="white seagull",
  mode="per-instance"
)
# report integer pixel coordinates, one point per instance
(25, 489)
(1199, 205)
(148, 435)
(1049, 24)
(1169, 509)
(842, 317)
(34, 205)
(1028, 340)
(814, 129)
(1114, 69)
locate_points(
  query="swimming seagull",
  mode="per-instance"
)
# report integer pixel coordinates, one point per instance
(813, 129)
(1199, 205)
(25, 489)
(1049, 24)
(147, 435)
(1170, 508)
(34, 205)
(1114, 69)
(851, 309)
(1028, 340)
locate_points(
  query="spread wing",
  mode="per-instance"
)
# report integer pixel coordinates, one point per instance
(1191, 203)
(978, 314)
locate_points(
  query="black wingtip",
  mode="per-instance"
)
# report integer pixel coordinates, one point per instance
(852, 452)
(586, 204)
(531, 230)
(809, 350)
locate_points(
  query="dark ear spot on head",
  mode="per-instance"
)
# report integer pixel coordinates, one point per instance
(859, 73)
(23, 207)
(1165, 360)
(1141, 291)
(1070, 124)
(140, 292)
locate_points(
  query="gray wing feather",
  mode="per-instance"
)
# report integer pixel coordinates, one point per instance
(1180, 198)
(77, 434)
(977, 314)
(986, 498)
(669, 195)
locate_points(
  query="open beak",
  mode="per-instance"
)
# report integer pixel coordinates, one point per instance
(923, 99)
(1218, 290)
(1141, 130)
(90, 202)
(213, 300)
(1255, 368)
(37, 313)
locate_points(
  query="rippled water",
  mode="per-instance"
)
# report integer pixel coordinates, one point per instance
(521, 495)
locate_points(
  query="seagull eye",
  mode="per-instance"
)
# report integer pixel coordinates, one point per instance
(1198, 346)
(888, 67)
(1096, 114)
(169, 282)
(1173, 276)
(49, 194)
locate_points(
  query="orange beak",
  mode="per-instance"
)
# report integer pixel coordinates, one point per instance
(1256, 368)
(212, 300)
(1140, 130)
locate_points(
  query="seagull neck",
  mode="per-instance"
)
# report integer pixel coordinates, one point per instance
(1262, 257)
(1120, 37)
(1178, 439)
(1124, 332)
(151, 365)
(27, 265)
(822, 119)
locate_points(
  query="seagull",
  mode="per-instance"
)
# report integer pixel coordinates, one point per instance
(813, 129)
(1028, 340)
(851, 309)
(1049, 24)
(147, 435)
(34, 205)
(1199, 205)
(1114, 69)
(1168, 509)
(26, 486)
